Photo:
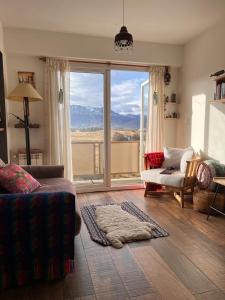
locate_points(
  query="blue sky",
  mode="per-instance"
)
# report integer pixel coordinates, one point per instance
(86, 89)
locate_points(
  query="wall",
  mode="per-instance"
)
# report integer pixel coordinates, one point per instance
(17, 63)
(54, 44)
(202, 124)
(23, 47)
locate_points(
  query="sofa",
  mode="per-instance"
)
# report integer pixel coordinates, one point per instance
(37, 230)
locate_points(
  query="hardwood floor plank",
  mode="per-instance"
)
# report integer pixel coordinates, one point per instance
(103, 272)
(212, 295)
(186, 271)
(130, 273)
(162, 277)
(80, 283)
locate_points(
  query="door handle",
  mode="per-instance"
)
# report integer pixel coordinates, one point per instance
(2, 129)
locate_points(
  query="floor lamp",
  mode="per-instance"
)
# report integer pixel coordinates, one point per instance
(25, 92)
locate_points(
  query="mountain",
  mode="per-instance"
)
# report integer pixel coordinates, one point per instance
(90, 117)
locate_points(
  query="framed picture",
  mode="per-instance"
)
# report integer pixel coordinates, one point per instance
(26, 77)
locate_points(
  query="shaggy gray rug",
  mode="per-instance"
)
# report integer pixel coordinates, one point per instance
(99, 236)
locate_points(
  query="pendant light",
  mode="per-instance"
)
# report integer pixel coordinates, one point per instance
(123, 41)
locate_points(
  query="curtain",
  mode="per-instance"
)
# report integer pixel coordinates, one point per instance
(155, 134)
(57, 90)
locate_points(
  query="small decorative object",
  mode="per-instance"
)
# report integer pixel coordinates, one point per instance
(123, 41)
(60, 96)
(218, 73)
(155, 98)
(167, 76)
(31, 125)
(26, 77)
(167, 99)
(173, 97)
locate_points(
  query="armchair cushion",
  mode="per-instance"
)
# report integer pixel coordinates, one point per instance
(154, 175)
(187, 155)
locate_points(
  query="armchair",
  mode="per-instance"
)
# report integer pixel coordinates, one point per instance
(179, 183)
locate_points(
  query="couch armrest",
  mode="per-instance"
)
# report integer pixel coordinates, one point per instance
(45, 171)
(36, 236)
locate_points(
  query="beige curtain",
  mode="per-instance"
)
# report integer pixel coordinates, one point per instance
(155, 135)
(57, 90)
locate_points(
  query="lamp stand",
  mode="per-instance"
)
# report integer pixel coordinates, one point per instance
(26, 126)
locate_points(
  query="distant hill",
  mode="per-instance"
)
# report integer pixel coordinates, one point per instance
(89, 117)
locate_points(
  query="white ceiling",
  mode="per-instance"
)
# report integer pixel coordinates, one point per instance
(162, 21)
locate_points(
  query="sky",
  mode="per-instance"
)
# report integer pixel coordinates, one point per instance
(86, 89)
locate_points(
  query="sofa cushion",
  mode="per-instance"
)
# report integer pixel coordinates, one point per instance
(153, 175)
(56, 185)
(15, 179)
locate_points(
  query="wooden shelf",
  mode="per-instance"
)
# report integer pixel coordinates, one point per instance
(171, 118)
(221, 77)
(218, 101)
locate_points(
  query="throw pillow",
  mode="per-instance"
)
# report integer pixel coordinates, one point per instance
(188, 155)
(172, 157)
(154, 160)
(15, 179)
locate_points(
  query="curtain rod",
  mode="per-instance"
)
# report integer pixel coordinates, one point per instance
(104, 63)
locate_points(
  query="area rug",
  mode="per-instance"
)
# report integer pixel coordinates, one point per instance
(99, 236)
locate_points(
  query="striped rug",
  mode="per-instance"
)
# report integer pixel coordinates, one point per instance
(97, 235)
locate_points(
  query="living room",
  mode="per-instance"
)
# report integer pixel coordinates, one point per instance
(134, 119)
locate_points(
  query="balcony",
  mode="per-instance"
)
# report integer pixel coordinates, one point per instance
(88, 161)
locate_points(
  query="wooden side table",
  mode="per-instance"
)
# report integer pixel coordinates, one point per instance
(220, 181)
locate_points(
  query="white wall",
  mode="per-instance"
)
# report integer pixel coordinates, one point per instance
(17, 63)
(23, 47)
(202, 124)
(53, 44)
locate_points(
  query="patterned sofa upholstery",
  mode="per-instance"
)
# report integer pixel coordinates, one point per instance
(37, 230)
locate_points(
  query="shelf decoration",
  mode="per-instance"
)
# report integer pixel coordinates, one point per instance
(26, 77)
(219, 95)
(170, 107)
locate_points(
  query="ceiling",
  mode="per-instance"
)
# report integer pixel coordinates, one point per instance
(161, 21)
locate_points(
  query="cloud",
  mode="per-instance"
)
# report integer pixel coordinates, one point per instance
(87, 89)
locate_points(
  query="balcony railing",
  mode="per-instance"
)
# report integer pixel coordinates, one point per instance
(88, 159)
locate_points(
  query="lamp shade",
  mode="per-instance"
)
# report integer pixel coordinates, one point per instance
(24, 90)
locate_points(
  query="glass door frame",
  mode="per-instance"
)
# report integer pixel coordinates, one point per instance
(105, 69)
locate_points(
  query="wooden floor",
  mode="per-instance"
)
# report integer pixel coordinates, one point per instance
(189, 264)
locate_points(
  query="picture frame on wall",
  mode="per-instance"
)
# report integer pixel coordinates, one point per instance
(26, 77)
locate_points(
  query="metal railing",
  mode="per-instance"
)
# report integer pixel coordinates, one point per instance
(88, 159)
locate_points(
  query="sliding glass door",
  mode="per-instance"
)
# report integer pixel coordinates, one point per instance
(87, 127)
(106, 126)
(126, 126)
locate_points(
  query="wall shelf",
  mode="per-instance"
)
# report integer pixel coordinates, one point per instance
(219, 101)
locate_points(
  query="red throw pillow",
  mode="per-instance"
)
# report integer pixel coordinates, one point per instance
(15, 179)
(154, 159)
